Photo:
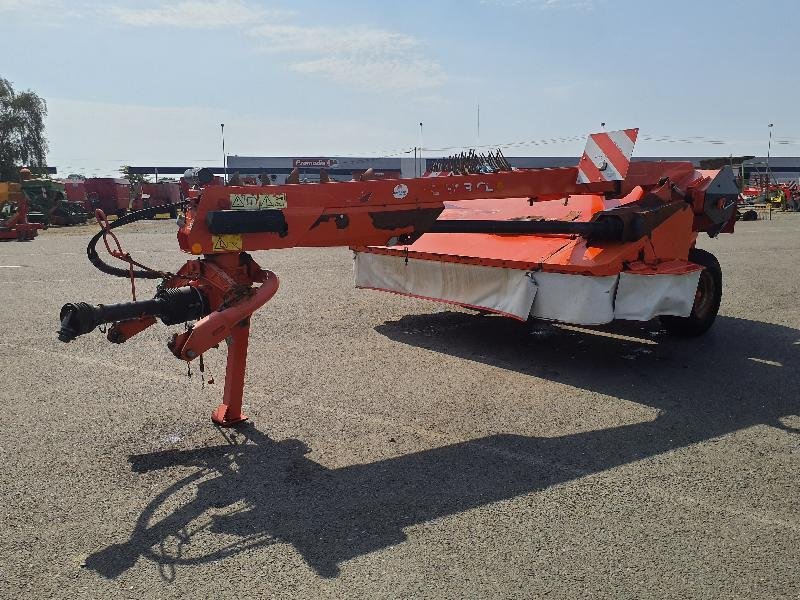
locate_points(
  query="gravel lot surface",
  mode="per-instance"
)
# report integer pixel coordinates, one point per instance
(400, 448)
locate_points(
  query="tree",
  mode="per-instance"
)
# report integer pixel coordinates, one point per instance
(22, 141)
(135, 181)
(134, 178)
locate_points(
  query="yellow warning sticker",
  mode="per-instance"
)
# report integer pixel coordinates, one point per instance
(257, 201)
(244, 202)
(227, 242)
(273, 201)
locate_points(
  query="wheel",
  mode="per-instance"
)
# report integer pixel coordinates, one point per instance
(706, 299)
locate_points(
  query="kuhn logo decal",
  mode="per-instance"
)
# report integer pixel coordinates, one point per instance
(400, 191)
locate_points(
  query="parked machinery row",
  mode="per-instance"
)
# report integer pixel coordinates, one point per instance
(116, 196)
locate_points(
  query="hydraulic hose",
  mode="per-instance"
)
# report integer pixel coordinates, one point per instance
(139, 215)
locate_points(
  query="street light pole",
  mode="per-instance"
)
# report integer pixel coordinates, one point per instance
(769, 148)
(224, 159)
(768, 182)
(478, 130)
(421, 169)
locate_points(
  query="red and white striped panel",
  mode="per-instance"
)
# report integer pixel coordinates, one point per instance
(607, 156)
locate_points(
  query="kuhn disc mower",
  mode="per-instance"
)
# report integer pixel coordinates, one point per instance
(601, 241)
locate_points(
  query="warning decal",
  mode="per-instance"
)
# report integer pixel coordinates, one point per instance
(607, 156)
(227, 242)
(258, 201)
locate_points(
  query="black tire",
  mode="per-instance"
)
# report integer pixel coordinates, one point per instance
(706, 302)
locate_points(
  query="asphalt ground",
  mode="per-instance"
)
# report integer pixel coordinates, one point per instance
(400, 448)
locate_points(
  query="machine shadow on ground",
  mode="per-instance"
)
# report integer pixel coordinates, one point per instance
(258, 491)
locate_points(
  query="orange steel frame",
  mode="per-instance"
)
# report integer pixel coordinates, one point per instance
(359, 214)
(668, 242)
(307, 203)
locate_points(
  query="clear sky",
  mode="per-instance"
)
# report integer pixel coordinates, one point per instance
(149, 82)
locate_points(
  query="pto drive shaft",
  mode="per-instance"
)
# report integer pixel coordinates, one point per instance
(171, 305)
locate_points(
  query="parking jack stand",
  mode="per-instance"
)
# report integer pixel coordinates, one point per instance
(229, 413)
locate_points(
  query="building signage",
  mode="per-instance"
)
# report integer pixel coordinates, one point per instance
(314, 163)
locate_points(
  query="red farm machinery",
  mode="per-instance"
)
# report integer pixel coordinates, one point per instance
(75, 190)
(112, 195)
(165, 194)
(14, 212)
(608, 239)
(763, 189)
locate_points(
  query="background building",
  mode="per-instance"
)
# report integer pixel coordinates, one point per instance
(343, 168)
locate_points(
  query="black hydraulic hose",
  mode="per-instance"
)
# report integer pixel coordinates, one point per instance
(139, 215)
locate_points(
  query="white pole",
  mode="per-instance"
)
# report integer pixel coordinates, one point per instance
(421, 145)
(769, 148)
(224, 158)
(478, 134)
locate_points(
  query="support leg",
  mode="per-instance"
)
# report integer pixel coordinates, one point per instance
(230, 411)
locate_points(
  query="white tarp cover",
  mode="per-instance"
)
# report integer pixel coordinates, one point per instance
(577, 299)
(642, 297)
(509, 291)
